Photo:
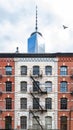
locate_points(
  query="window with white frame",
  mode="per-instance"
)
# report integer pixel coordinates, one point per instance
(63, 70)
(23, 70)
(23, 86)
(48, 86)
(23, 122)
(63, 86)
(48, 70)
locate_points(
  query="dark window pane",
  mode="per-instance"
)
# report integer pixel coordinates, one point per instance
(23, 70)
(23, 122)
(36, 86)
(23, 102)
(8, 103)
(35, 70)
(35, 103)
(63, 103)
(8, 86)
(8, 122)
(48, 103)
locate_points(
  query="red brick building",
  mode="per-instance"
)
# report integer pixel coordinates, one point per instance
(65, 91)
(6, 92)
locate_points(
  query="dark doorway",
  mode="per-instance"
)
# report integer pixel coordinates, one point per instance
(8, 122)
(63, 123)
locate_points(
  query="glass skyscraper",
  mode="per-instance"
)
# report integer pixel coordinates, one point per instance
(36, 43)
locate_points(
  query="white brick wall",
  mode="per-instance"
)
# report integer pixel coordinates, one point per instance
(18, 78)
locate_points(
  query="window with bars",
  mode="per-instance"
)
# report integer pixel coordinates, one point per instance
(23, 103)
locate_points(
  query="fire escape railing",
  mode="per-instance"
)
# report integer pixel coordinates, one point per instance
(36, 119)
(38, 88)
(41, 109)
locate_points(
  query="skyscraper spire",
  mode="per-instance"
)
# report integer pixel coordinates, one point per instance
(36, 28)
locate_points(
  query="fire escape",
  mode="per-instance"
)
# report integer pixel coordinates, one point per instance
(37, 91)
(71, 93)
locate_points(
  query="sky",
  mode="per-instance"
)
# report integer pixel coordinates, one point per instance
(17, 22)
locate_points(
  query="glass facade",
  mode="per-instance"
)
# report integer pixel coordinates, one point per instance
(36, 43)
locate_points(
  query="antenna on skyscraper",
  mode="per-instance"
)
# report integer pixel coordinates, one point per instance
(36, 28)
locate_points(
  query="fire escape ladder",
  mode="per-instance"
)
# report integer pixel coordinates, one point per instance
(36, 119)
(38, 88)
(37, 101)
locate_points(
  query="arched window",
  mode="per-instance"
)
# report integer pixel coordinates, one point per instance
(23, 122)
(35, 70)
(48, 86)
(48, 70)
(8, 70)
(24, 86)
(63, 103)
(63, 123)
(8, 122)
(48, 103)
(23, 103)
(63, 86)
(48, 122)
(23, 70)
(63, 70)
(8, 86)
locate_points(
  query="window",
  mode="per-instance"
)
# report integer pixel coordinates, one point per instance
(35, 103)
(35, 123)
(8, 86)
(36, 86)
(48, 122)
(63, 103)
(63, 70)
(48, 103)
(48, 70)
(35, 70)
(63, 123)
(63, 86)
(8, 103)
(48, 86)
(24, 86)
(8, 123)
(8, 70)
(23, 102)
(23, 122)
(23, 70)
